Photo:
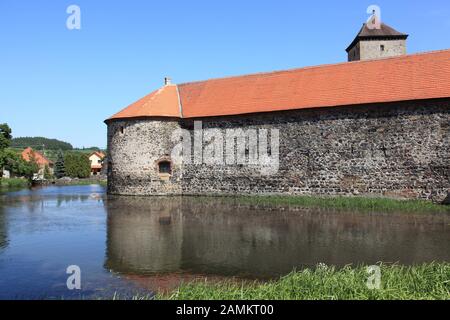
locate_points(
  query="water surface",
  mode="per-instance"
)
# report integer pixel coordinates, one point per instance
(134, 245)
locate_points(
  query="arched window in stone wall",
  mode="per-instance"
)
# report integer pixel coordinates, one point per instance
(164, 167)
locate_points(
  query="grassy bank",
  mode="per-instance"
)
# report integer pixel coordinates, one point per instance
(428, 281)
(82, 182)
(14, 183)
(348, 203)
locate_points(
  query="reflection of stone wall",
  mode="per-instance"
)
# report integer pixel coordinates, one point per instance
(222, 236)
(397, 149)
(144, 235)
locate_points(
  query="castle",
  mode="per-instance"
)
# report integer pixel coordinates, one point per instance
(376, 125)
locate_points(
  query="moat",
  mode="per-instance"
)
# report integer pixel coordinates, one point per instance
(129, 245)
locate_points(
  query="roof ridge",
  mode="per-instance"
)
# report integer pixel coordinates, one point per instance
(316, 67)
(180, 106)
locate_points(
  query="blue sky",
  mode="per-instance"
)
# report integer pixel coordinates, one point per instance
(62, 83)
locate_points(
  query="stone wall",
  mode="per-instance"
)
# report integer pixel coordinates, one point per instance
(134, 149)
(355, 53)
(395, 150)
(372, 50)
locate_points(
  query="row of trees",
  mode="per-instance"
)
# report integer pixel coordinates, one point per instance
(37, 143)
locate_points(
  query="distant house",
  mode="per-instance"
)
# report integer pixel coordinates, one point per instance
(96, 159)
(32, 155)
(6, 174)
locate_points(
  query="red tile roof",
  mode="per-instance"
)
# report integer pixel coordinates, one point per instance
(163, 102)
(41, 160)
(403, 78)
(99, 154)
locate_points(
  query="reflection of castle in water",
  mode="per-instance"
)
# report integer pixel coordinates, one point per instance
(144, 235)
(221, 236)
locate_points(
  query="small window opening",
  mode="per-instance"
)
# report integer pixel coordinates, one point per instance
(165, 167)
(121, 129)
(382, 47)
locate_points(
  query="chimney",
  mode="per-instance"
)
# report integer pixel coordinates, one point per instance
(167, 81)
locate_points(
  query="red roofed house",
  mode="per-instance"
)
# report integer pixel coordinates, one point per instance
(31, 155)
(96, 159)
(376, 125)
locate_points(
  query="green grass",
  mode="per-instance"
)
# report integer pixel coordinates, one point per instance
(85, 182)
(427, 281)
(13, 183)
(348, 203)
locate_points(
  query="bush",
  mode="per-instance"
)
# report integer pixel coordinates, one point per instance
(47, 173)
(77, 165)
(14, 183)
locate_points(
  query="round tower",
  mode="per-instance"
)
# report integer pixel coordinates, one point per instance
(140, 146)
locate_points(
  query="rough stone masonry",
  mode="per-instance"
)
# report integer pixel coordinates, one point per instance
(395, 150)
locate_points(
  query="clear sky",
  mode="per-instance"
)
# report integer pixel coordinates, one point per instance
(62, 83)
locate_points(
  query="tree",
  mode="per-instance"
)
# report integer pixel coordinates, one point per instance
(5, 136)
(77, 165)
(5, 140)
(47, 173)
(60, 170)
(18, 166)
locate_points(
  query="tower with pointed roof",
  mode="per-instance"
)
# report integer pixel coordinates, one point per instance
(376, 43)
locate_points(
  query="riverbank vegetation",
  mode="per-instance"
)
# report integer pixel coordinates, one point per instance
(348, 203)
(80, 182)
(77, 165)
(13, 161)
(14, 183)
(427, 281)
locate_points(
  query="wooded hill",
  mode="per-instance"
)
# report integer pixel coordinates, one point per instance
(39, 143)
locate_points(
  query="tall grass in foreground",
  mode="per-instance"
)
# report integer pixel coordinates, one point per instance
(428, 281)
(348, 203)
